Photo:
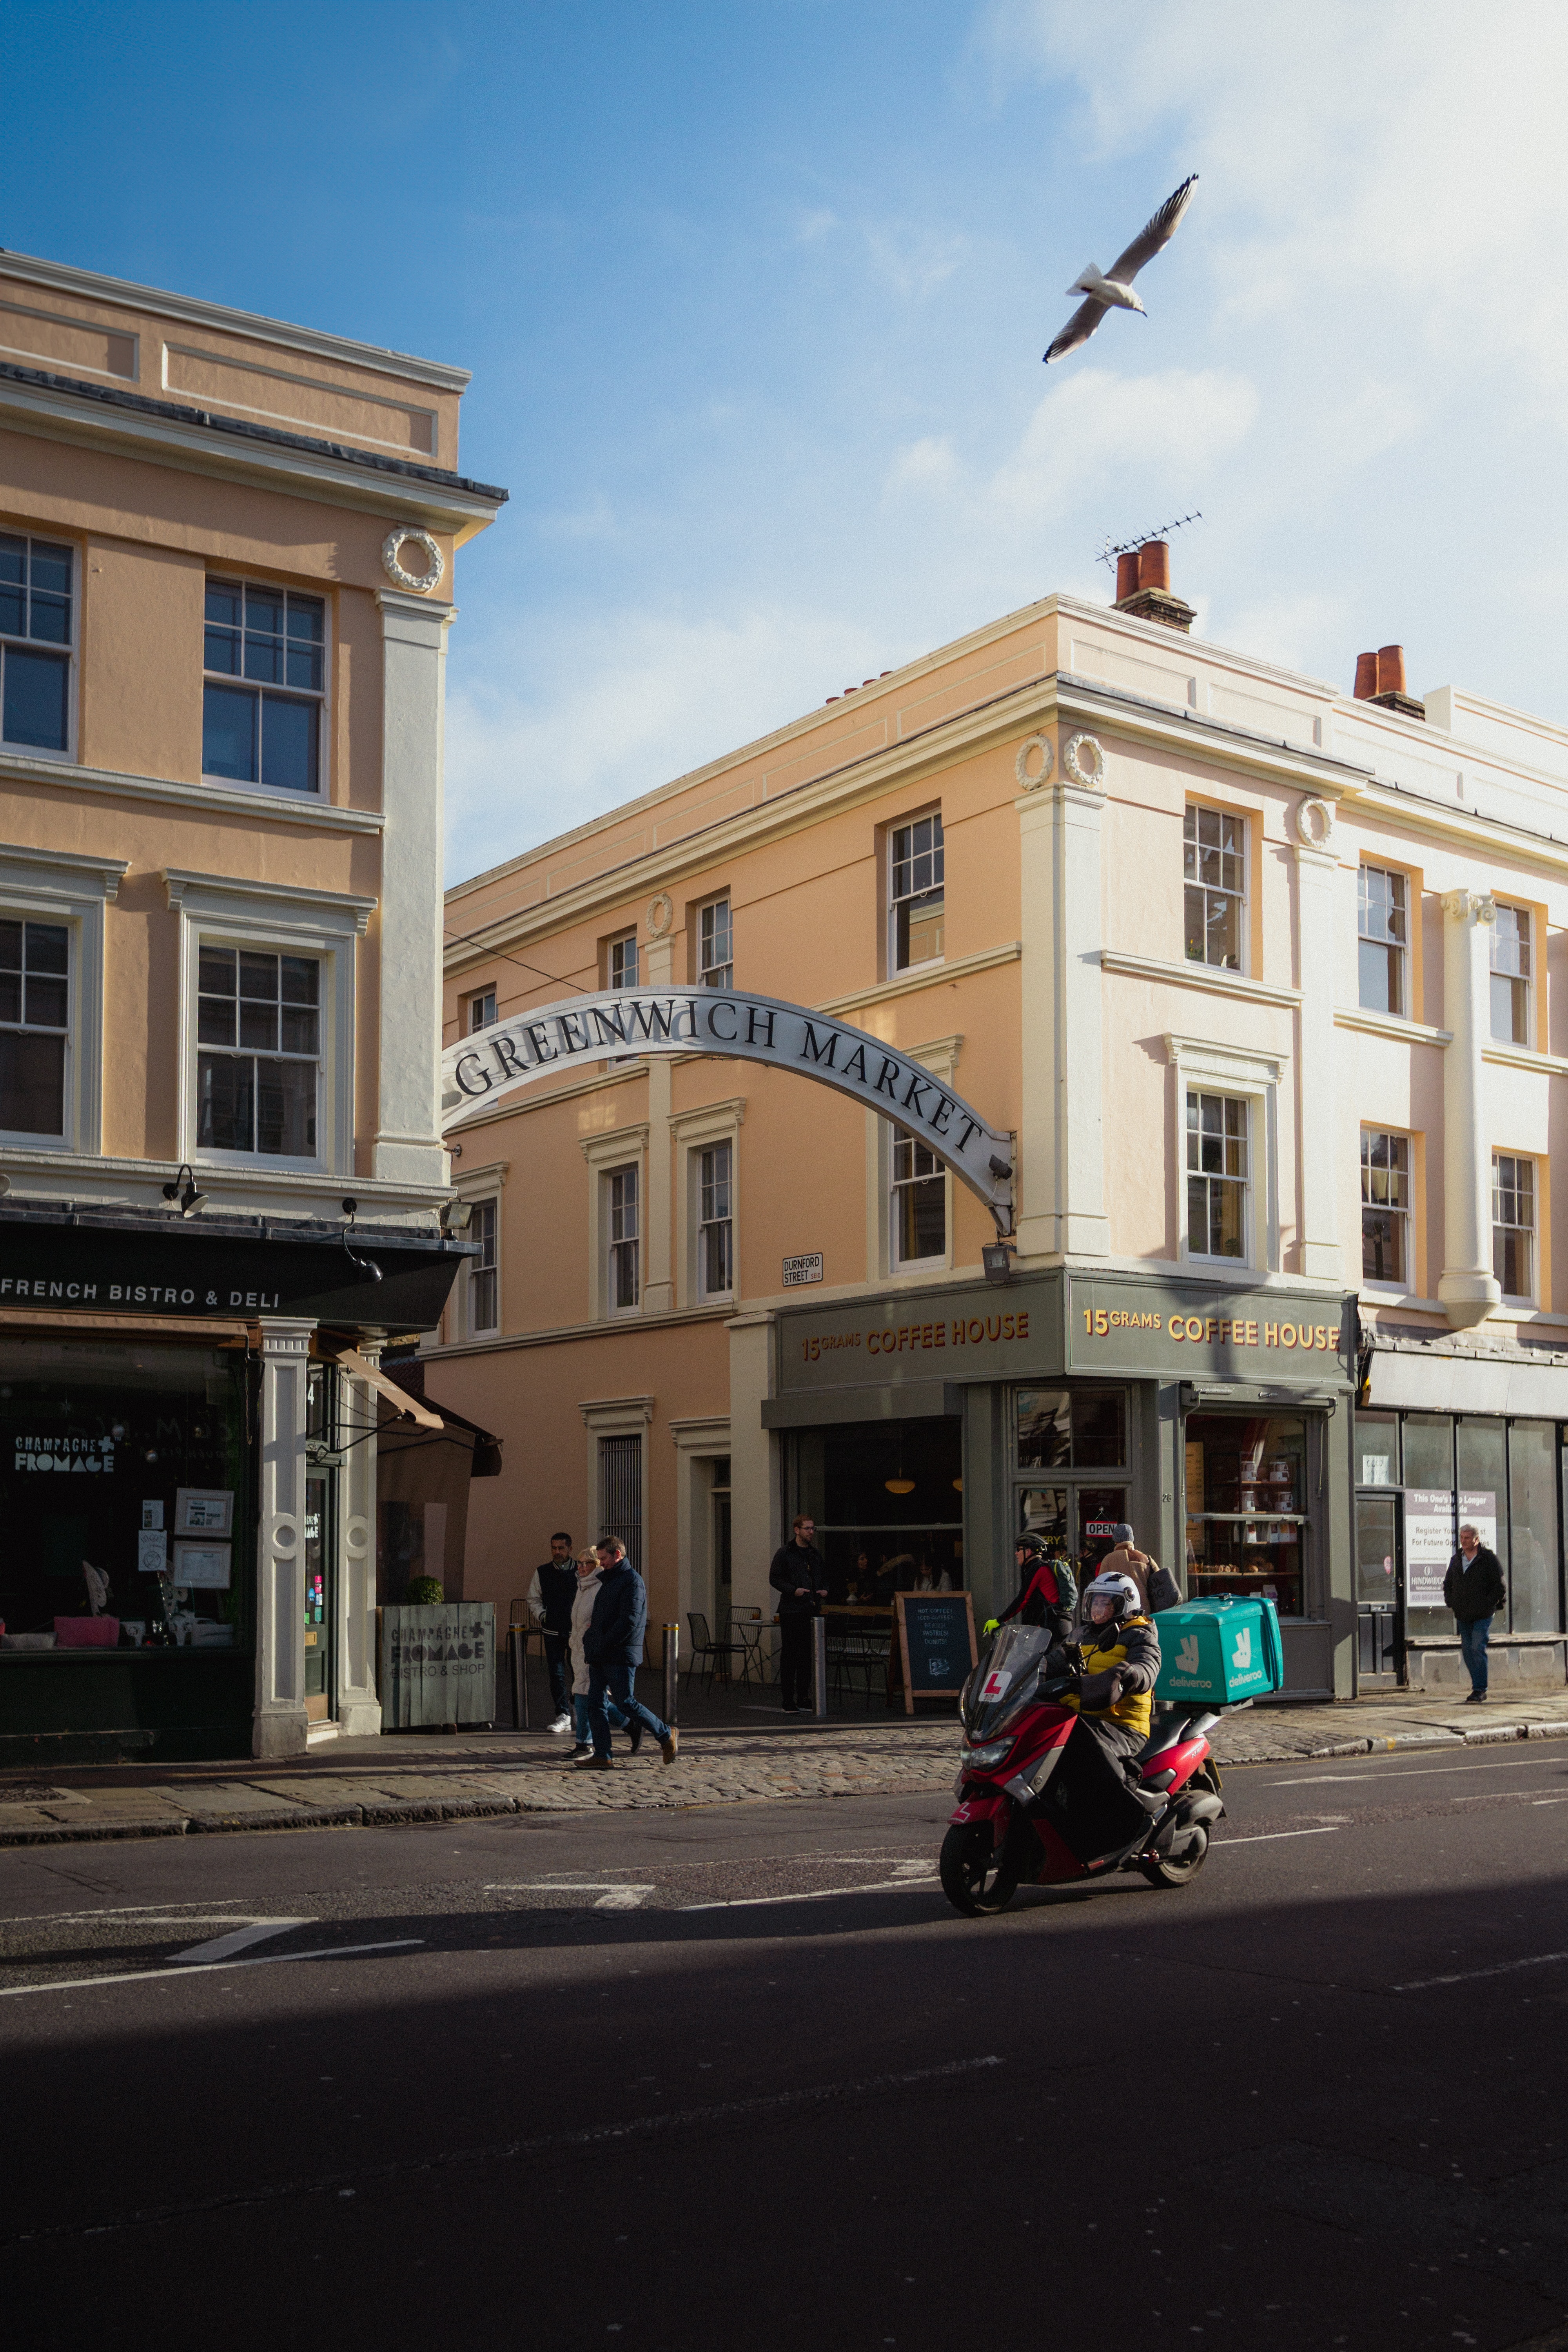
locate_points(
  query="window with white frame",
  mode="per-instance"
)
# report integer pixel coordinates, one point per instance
(34, 1026)
(621, 961)
(1513, 1224)
(1382, 938)
(1217, 1175)
(484, 1274)
(258, 1052)
(265, 664)
(35, 643)
(1384, 1206)
(481, 1010)
(916, 887)
(1511, 975)
(715, 1220)
(918, 1220)
(623, 1235)
(715, 946)
(1214, 870)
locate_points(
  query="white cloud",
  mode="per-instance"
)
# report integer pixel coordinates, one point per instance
(913, 262)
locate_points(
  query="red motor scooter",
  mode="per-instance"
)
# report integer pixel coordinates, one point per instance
(1041, 1803)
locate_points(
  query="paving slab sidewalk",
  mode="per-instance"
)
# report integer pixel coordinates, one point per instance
(402, 1779)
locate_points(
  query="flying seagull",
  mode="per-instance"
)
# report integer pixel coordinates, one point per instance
(1114, 290)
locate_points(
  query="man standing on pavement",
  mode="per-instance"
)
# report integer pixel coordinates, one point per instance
(613, 1647)
(550, 1598)
(1473, 1589)
(799, 1576)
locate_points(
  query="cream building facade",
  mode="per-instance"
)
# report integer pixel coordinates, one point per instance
(1260, 977)
(227, 558)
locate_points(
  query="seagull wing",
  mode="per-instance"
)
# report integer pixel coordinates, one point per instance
(1078, 329)
(1159, 231)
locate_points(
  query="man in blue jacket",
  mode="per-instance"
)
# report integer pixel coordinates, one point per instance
(612, 1645)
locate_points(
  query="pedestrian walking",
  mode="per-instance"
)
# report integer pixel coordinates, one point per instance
(1473, 1589)
(799, 1576)
(550, 1598)
(612, 1645)
(1157, 1587)
(586, 1573)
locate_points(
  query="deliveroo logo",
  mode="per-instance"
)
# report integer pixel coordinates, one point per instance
(1241, 1656)
(1188, 1654)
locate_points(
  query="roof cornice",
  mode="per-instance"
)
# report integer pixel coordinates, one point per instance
(123, 292)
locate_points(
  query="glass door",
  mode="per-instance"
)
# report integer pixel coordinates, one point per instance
(319, 1595)
(1380, 1601)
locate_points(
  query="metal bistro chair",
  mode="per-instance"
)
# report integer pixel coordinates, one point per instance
(862, 1658)
(707, 1653)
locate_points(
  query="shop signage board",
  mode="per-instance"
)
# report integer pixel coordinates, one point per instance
(1432, 1535)
(806, 1268)
(1193, 1330)
(439, 1664)
(188, 1271)
(936, 1643)
(978, 1333)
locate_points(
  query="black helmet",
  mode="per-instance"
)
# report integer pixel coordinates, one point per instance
(1032, 1546)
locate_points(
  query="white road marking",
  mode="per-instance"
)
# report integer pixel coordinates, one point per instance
(611, 1894)
(1413, 1771)
(208, 1968)
(1267, 1837)
(908, 1885)
(255, 1931)
(1469, 1975)
(157, 1915)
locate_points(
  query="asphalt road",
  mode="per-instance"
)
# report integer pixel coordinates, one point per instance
(739, 2077)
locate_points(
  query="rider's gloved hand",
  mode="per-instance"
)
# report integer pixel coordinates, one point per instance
(990, 1625)
(1097, 1691)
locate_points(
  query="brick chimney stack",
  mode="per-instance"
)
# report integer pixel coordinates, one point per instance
(1143, 586)
(1380, 678)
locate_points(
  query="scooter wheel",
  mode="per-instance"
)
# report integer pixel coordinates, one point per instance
(973, 1878)
(1178, 1870)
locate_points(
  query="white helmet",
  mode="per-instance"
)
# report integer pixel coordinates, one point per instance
(1124, 1595)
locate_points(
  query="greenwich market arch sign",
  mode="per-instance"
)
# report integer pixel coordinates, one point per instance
(479, 1069)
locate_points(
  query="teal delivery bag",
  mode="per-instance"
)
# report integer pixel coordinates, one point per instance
(1219, 1651)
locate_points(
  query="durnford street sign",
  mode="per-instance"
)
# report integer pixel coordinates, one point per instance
(479, 1069)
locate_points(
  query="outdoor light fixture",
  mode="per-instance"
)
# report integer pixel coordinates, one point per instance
(367, 1265)
(997, 1259)
(456, 1217)
(188, 1200)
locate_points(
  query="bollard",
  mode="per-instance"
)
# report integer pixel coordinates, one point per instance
(671, 1671)
(819, 1667)
(517, 1658)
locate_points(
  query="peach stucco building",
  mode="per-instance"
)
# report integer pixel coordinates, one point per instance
(1260, 978)
(227, 557)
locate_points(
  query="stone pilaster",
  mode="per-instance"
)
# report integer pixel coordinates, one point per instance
(281, 1721)
(1317, 1127)
(407, 1147)
(1061, 1196)
(1467, 1288)
(358, 1705)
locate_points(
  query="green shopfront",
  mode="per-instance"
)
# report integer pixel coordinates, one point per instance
(925, 1429)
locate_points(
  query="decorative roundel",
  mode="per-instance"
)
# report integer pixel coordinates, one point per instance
(1030, 779)
(1085, 762)
(420, 583)
(659, 916)
(1314, 824)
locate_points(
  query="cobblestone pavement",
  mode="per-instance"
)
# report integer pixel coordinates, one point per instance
(723, 1760)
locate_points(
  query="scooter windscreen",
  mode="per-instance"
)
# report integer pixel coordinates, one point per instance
(1005, 1681)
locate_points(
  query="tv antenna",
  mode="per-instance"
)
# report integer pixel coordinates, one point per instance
(1108, 554)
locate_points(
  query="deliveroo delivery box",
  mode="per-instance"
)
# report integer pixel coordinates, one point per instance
(1219, 1651)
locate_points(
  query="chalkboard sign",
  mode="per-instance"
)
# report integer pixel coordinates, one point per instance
(936, 1643)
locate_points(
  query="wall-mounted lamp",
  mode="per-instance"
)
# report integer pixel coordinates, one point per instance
(187, 1200)
(997, 1257)
(456, 1217)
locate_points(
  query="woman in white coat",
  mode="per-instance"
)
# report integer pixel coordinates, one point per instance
(589, 1570)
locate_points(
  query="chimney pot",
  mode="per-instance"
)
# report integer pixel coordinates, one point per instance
(1127, 575)
(1365, 677)
(1390, 669)
(1154, 564)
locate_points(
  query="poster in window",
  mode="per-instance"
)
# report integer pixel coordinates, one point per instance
(205, 1511)
(203, 1565)
(1432, 1532)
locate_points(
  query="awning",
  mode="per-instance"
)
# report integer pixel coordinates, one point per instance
(409, 1408)
(1424, 1381)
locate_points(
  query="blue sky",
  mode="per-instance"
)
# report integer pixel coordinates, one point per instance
(755, 295)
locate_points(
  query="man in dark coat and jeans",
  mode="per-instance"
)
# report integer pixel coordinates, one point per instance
(799, 1576)
(550, 1597)
(613, 1646)
(1473, 1589)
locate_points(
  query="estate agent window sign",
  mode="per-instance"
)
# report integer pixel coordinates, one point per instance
(476, 1070)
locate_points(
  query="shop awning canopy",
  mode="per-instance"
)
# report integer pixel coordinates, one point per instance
(1425, 1379)
(409, 1408)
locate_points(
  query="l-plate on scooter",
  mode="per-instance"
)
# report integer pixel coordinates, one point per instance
(1042, 1805)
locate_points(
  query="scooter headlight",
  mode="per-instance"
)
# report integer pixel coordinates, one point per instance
(983, 1759)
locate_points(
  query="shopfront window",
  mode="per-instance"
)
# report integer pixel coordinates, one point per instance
(1247, 1515)
(1532, 1526)
(1499, 1477)
(887, 1499)
(1071, 1431)
(130, 1461)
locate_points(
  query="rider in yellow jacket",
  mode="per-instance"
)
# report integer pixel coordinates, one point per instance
(1120, 1652)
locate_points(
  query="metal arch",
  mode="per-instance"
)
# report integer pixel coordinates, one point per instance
(733, 1026)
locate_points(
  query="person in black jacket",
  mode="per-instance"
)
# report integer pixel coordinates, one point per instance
(613, 1648)
(550, 1598)
(1473, 1589)
(1047, 1591)
(799, 1576)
